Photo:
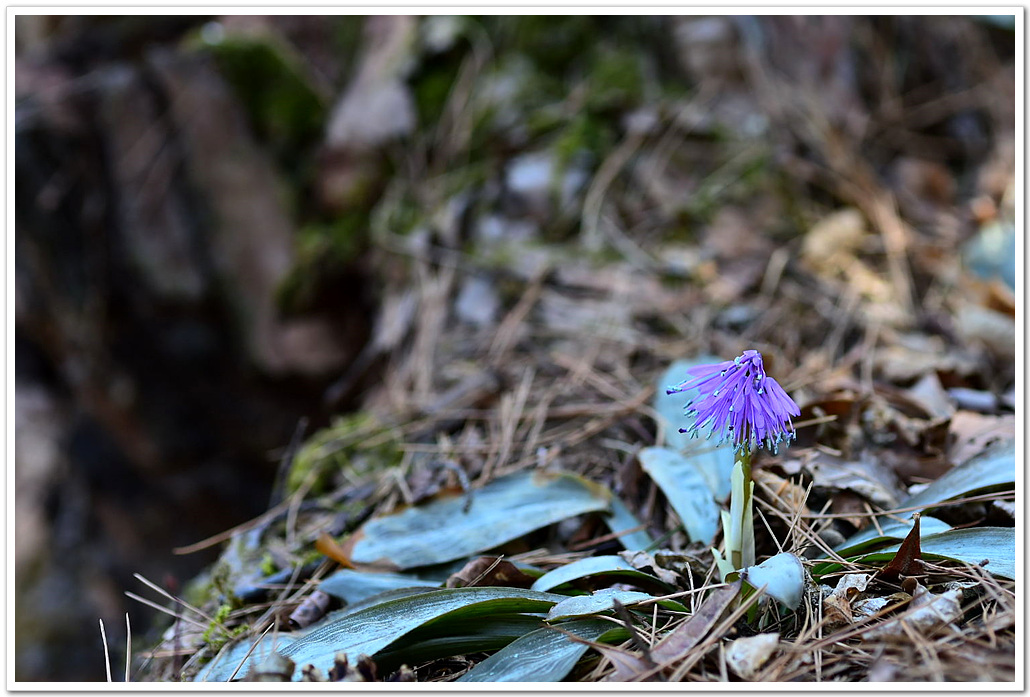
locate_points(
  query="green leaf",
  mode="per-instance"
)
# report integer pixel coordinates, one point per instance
(229, 658)
(889, 530)
(604, 600)
(994, 467)
(688, 494)
(713, 462)
(595, 603)
(503, 510)
(353, 586)
(544, 655)
(608, 565)
(372, 629)
(969, 545)
(621, 518)
(444, 639)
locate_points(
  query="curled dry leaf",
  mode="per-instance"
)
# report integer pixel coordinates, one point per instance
(927, 613)
(310, 610)
(782, 493)
(837, 606)
(975, 432)
(867, 607)
(747, 655)
(489, 571)
(694, 561)
(908, 560)
(865, 477)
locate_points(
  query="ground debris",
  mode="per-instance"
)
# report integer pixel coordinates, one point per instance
(927, 613)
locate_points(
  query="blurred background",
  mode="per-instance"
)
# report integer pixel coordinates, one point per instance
(215, 218)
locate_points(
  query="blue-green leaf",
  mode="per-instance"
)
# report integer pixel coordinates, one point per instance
(686, 490)
(621, 519)
(353, 586)
(544, 655)
(969, 545)
(608, 564)
(595, 603)
(889, 530)
(503, 510)
(372, 629)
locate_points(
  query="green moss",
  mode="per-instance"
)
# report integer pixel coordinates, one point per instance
(584, 133)
(284, 109)
(214, 633)
(268, 565)
(341, 446)
(616, 79)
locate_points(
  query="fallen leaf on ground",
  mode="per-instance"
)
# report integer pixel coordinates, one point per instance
(908, 560)
(926, 613)
(747, 655)
(490, 571)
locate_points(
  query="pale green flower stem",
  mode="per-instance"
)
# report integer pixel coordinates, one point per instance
(738, 523)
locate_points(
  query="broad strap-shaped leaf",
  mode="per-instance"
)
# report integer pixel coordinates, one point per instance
(621, 520)
(443, 639)
(232, 655)
(889, 530)
(608, 564)
(994, 467)
(595, 603)
(353, 586)
(970, 545)
(374, 628)
(688, 494)
(544, 655)
(503, 510)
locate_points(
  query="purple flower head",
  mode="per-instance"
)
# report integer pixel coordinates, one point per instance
(739, 402)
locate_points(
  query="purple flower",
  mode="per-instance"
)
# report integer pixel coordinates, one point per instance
(739, 402)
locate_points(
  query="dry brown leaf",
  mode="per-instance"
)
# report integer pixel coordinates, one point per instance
(979, 325)
(927, 612)
(866, 477)
(909, 559)
(831, 244)
(975, 432)
(687, 635)
(837, 606)
(747, 655)
(489, 571)
(784, 494)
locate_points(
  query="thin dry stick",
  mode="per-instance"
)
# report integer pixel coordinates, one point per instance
(162, 608)
(1001, 496)
(507, 331)
(250, 651)
(174, 598)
